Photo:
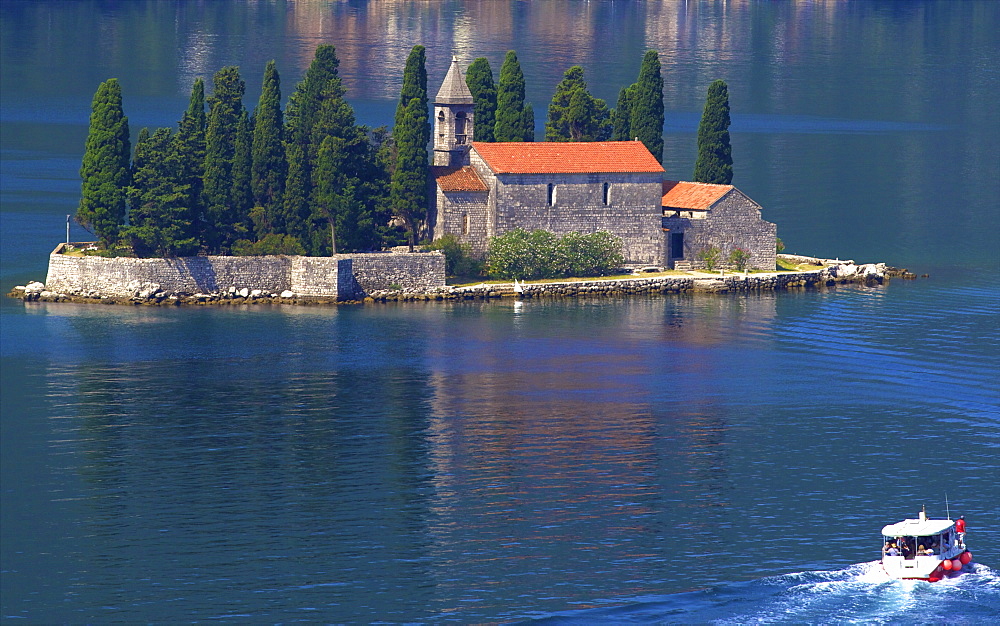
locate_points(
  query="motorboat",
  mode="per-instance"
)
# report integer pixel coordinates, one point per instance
(923, 549)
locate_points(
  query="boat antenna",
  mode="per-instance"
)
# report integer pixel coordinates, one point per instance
(946, 507)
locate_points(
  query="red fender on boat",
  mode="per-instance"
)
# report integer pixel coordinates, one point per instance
(946, 564)
(956, 565)
(965, 558)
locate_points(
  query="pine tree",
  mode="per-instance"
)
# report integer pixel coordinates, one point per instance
(105, 169)
(269, 165)
(479, 78)
(646, 105)
(189, 146)
(409, 180)
(515, 120)
(160, 217)
(715, 155)
(621, 116)
(221, 207)
(574, 114)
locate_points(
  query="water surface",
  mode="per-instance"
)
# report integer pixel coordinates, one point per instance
(669, 459)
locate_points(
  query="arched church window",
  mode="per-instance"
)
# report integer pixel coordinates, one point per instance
(607, 194)
(551, 194)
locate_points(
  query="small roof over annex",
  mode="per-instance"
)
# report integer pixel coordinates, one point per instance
(454, 90)
(570, 157)
(462, 178)
(689, 196)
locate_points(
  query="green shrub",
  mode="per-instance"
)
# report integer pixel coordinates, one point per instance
(710, 257)
(458, 259)
(589, 255)
(740, 259)
(541, 254)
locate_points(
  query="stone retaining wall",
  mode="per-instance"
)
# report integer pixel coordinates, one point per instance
(343, 277)
(399, 270)
(658, 284)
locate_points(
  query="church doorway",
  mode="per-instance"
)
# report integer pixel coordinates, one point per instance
(677, 245)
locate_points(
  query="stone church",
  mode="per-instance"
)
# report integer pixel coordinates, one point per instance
(480, 190)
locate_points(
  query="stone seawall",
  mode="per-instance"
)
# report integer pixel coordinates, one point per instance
(376, 277)
(875, 273)
(340, 277)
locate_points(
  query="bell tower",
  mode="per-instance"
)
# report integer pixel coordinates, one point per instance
(453, 119)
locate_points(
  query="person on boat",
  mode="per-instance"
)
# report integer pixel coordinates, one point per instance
(907, 550)
(960, 529)
(893, 550)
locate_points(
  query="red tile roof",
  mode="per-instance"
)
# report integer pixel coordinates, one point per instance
(458, 179)
(573, 157)
(692, 196)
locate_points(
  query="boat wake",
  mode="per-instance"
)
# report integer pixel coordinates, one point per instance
(860, 593)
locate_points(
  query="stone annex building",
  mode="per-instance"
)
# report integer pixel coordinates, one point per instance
(481, 190)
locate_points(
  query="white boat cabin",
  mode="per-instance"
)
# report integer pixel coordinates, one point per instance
(921, 537)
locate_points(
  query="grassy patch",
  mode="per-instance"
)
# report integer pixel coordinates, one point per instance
(787, 266)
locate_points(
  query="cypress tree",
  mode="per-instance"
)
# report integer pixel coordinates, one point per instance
(411, 133)
(300, 117)
(138, 176)
(646, 105)
(105, 170)
(305, 100)
(479, 78)
(222, 209)
(242, 174)
(574, 114)
(409, 180)
(715, 155)
(335, 191)
(381, 164)
(415, 86)
(189, 146)
(515, 120)
(269, 166)
(339, 151)
(297, 187)
(621, 116)
(160, 217)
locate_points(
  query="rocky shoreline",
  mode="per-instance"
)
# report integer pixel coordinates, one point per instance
(832, 273)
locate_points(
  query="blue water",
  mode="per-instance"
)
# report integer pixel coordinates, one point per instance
(666, 459)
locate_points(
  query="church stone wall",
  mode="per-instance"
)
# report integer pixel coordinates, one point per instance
(732, 222)
(632, 212)
(466, 216)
